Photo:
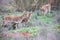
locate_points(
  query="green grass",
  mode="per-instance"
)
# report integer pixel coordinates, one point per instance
(57, 28)
(31, 30)
(44, 19)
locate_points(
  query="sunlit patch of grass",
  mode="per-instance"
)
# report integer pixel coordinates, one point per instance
(42, 18)
(50, 15)
(31, 30)
(57, 28)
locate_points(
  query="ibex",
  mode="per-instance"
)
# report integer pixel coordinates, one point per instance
(46, 8)
(16, 19)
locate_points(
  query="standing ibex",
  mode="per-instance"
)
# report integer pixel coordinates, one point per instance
(46, 8)
(16, 19)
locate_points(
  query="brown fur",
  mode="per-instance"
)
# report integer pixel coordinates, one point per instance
(46, 8)
(16, 19)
